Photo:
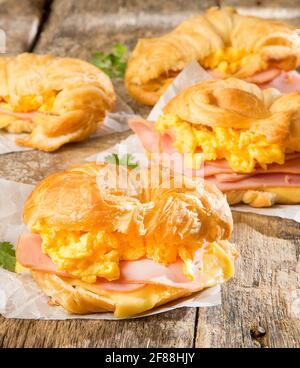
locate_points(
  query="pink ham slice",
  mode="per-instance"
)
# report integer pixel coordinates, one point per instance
(19, 115)
(218, 171)
(221, 167)
(150, 272)
(134, 274)
(285, 82)
(264, 77)
(148, 135)
(258, 78)
(29, 254)
(258, 181)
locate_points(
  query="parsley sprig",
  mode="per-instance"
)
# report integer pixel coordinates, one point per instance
(114, 63)
(126, 160)
(7, 256)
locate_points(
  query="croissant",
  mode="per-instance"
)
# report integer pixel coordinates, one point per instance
(56, 100)
(249, 138)
(222, 41)
(97, 245)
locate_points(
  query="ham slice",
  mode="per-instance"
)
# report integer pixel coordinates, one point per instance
(219, 172)
(29, 254)
(285, 82)
(148, 135)
(150, 272)
(19, 115)
(134, 274)
(264, 77)
(221, 169)
(258, 181)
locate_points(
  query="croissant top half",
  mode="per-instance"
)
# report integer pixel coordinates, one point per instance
(234, 103)
(79, 199)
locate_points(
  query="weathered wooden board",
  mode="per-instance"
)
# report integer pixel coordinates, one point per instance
(20, 20)
(265, 293)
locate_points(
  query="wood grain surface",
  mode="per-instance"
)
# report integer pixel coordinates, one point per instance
(261, 305)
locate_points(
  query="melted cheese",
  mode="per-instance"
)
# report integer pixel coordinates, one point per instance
(218, 267)
(241, 148)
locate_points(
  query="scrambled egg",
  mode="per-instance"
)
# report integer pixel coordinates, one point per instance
(228, 60)
(29, 103)
(97, 254)
(241, 148)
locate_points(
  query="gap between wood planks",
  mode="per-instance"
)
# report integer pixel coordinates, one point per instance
(195, 328)
(43, 21)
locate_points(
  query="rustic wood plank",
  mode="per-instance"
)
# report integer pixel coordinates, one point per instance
(285, 10)
(172, 329)
(32, 166)
(265, 291)
(20, 21)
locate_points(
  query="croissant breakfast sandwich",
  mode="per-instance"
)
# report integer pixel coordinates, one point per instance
(56, 100)
(96, 248)
(249, 139)
(226, 44)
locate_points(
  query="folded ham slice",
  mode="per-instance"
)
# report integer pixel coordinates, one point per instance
(285, 82)
(219, 167)
(219, 171)
(257, 182)
(134, 274)
(264, 77)
(19, 115)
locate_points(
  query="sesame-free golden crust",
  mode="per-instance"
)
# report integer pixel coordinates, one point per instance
(82, 94)
(154, 61)
(78, 200)
(234, 103)
(80, 299)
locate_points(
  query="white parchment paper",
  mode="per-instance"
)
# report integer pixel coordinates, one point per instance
(114, 122)
(191, 74)
(19, 295)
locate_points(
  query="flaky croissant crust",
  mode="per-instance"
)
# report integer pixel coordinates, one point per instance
(81, 93)
(155, 60)
(79, 199)
(234, 103)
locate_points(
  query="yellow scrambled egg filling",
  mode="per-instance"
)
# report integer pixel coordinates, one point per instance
(97, 253)
(29, 103)
(228, 60)
(241, 148)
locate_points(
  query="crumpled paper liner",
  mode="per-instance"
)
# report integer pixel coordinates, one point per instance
(114, 122)
(191, 74)
(19, 295)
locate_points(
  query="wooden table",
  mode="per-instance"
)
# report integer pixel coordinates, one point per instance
(265, 293)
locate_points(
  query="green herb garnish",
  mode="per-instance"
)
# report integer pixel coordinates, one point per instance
(113, 64)
(126, 160)
(7, 256)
